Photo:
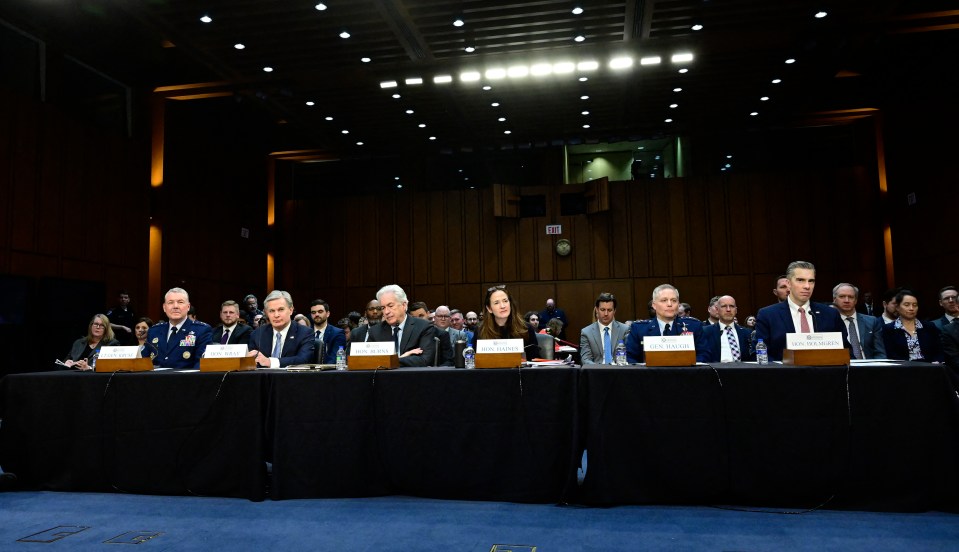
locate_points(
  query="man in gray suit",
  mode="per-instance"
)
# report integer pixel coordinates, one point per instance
(865, 332)
(594, 345)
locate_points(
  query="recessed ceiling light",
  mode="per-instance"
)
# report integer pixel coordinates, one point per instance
(495, 104)
(673, 106)
(821, 14)
(365, 59)
(587, 66)
(540, 69)
(432, 137)
(388, 84)
(579, 38)
(584, 97)
(458, 22)
(677, 89)
(310, 103)
(585, 113)
(650, 60)
(497, 73)
(206, 19)
(359, 143)
(328, 118)
(414, 80)
(396, 96)
(583, 79)
(577, 9)
(345, 131)
(487, 87)
(790, 61)
(507, 132)
(683, 71)
(399, 186)
(764, 98)
(268, 69)
(685, 57)
(585, 126)
(470, 49)
(697, 27)
(753, 113)
(517, 71)
(422, 125)
(239, 46)
(320, 7)
(396, 178)
(501, 119)
(623, 62)
(776, 81)
(729, 157)
(668, 121)
(564, 67)
(470, 76)
(345, 34)
(409, 111)
(442, 79)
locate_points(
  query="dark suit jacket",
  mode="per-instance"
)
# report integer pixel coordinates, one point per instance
(641, 329)
(870, 336)
(950, 345)
(183, 351)
(929, 342)
(333, 339)
(713, 349)
(239, 336)
(775, 321)
(417, 333)
(297, 349)
(941, 322)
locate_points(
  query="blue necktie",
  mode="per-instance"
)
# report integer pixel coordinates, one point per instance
(278, 347)
(666, 330)
(607, 346)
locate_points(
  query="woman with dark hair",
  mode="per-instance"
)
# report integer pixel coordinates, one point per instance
(140, 330)
(99, 333)
(504, 322)
(345, 325)
(532, 320)
(906, 338)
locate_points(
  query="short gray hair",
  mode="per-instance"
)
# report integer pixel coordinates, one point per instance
(278, 294)
(791, 269)
(835, 290)
(395, 290)
(177, 290)
(662, 287)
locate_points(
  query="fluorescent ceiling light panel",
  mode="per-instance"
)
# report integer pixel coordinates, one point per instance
(651, 60)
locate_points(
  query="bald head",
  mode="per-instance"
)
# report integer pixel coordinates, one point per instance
(441, 317)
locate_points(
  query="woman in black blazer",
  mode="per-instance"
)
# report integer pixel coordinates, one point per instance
(907, 338)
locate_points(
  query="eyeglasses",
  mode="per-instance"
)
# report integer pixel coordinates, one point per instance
(950, 298)
(495, 288)
(98, 325)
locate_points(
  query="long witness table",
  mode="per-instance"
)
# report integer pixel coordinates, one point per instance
(778, 436)
(162, 432)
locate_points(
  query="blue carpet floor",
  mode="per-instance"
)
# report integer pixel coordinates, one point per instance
(418, 525)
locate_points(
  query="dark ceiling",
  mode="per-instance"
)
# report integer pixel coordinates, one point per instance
(856, 57)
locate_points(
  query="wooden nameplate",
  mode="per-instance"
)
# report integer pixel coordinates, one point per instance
(670, 358)
(124, 365)
(373, 362)
(227, 364)
(499, 360)
(816, 357)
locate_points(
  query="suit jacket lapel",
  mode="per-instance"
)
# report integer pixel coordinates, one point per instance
(787, 318)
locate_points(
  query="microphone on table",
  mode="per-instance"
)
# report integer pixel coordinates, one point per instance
(436, 353)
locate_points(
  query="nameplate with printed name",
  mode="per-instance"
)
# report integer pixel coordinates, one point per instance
(122, 359)
(815, 349)
(499, 353)
(227, 358)
(373, 355)
(669, 350)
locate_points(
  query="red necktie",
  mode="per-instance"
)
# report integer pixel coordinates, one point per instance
(803, 321)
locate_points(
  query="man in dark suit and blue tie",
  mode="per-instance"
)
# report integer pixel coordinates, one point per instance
(665, 304)
(280, 343)
(413, 336)
(231, 332)
(179, 342)
(864, 331)
(797, 313)
(726, 341)
(949, 301)
(326, 338)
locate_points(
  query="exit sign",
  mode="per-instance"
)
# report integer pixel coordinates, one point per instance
(554, 229)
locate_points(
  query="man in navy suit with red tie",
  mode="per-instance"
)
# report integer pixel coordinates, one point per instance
(280, 343)
(797, 314)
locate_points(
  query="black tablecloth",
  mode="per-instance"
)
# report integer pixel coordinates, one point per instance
(163, 432)
(461, 434)
(775, 436)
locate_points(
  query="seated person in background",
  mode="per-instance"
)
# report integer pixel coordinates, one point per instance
(865, 332)
(797, 314)
(949, 301)
(84, 350)
(597, 342)
(140, 330)
(278, 342)
(907, 338)
(230, 331)
(414, 337)
(180, 342)
(302, 320)
(502, 321)
(532, 320)
(726, 341)
(418, 309)
(665, 305)
(347, 327)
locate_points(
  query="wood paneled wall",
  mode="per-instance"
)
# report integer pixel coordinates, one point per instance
(708, 236)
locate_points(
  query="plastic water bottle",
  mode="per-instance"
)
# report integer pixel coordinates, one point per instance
(340, 359)
(469, 357)
(620, 354)
(762, 354)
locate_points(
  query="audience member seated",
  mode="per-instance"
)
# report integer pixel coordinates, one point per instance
(726, 341)
(597, 342)
(84, 350)
(503, 322)
(751, 322)
(950, 346)
(907, 338)
(302, 320)
(949, 301)
(347, 327)
(140, 330)
(532, 320)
